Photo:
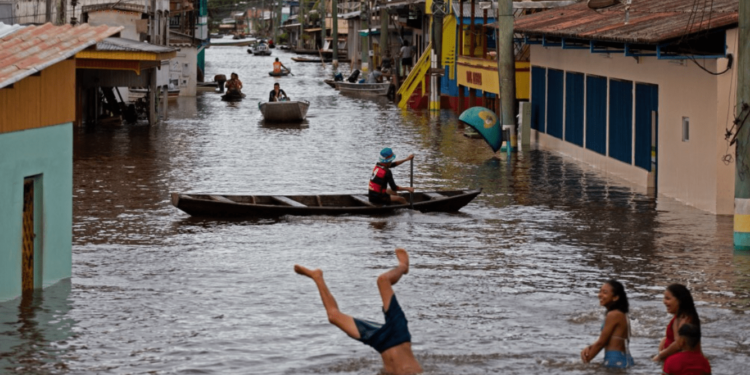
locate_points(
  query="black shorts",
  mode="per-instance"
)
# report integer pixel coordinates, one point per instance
(382, 337)
(379, 198)
(406, 61)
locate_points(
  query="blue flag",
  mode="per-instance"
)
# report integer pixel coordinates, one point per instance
(485, 122)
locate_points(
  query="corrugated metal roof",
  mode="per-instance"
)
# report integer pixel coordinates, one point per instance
(117, 5)
(129, 45)
(650, 21)
(7, 29)
(34, 48)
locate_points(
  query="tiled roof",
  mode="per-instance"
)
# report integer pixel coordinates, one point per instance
(650, 21)
(33, 48)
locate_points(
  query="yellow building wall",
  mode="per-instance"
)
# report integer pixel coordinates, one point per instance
(482, 74)
(44, 99)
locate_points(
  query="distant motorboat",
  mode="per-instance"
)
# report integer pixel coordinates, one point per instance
(262, 50)
(233, 42)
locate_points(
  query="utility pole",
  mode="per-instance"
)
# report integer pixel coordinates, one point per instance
(335, 32)
(369, 36)
(506, 70)
(384, 48)
(437, 45)
(742, 168)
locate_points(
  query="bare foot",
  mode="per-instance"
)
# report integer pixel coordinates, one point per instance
(403, 259)
(313, 274)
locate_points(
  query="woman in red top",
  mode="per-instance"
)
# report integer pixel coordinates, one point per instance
(679, 302)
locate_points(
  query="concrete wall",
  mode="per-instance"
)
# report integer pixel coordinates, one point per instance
(128, 20)
(183, 71)
(692, 171)
(47, 152)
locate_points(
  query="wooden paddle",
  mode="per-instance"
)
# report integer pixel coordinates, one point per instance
(322, 60)
(411, 185)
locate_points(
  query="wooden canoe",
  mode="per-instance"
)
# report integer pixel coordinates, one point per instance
(363, 88)
(283, 73)
(258, 206)
(232, 97)
(289, 111)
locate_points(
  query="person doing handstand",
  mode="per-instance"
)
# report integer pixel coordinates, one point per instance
(392, 339)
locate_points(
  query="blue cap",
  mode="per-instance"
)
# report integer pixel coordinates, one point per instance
(387, 155)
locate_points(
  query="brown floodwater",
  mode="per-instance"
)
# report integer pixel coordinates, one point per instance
(506, 285)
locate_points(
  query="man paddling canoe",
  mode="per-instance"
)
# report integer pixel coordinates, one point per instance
(382, 177)
(277, 65)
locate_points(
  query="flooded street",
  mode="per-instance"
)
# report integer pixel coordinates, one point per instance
(507, 285)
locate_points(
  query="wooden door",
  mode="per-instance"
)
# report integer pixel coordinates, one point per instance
(27, 271)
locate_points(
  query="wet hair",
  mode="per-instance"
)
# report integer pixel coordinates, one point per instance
(618, 290)
(277, 59)
(687, 306)
(276, 84)
(406, 42)
(691, 333)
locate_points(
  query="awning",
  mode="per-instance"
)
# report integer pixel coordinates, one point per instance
(291, 26)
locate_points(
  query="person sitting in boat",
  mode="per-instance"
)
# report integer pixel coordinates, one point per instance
(234, 85)
(277, 66)
(382, 177)
(375, 77)
(277, 94)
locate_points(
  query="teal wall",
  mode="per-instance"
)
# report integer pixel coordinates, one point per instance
(47, 152)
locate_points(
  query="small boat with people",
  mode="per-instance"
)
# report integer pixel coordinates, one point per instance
(284, 111)
(261, 206)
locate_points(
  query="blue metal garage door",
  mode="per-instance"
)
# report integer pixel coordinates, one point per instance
(574, 108)
(646, 101)
(596, 114)
(555, 85)
(538, 97)
(621, 120)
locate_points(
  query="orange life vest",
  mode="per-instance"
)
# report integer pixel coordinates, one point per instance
(277, 67)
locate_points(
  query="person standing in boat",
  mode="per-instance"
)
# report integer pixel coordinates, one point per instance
(277, 94)
(392, 339)
(382, 177)
(277, 66)
(234, 85)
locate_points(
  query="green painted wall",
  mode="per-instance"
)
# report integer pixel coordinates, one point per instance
(47, 152)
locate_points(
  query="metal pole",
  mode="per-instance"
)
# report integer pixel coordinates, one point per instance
(506, 68)
(742, 168)
(369, 36)
(322, 11)
(335, 32)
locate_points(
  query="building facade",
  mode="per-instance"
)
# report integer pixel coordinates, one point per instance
(37, 110)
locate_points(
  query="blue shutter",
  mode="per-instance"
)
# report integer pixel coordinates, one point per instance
(596, 114)
(646, 100)
(555, 103)
(538, 97)
(574, 108)
(621, 120)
